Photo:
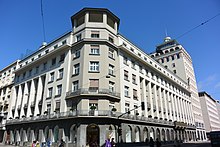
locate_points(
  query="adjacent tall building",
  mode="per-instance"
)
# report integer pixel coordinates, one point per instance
(175, 58)
(77, 86)
(210, 112)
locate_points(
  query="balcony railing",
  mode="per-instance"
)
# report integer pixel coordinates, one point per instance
(86, 91)
(87, 113)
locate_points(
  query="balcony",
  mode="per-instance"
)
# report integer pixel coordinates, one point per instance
(98, 92)
(87, 113)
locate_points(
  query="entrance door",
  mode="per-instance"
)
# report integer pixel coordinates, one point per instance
(92, 135)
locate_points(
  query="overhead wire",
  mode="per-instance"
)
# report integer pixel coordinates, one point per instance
(42, 18)
(197, 26)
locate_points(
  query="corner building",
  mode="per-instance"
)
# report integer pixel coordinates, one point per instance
(75, 88)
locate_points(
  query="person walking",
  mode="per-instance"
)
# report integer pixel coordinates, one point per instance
(151, 143)
(113, 142)
(158, 143)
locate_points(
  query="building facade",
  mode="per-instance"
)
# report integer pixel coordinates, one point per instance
(175, 58)
(80, 86)
(6, 84)
(209, 112)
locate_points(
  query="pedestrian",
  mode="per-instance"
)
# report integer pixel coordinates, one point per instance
(108, 143)
(37, 144)
(113, 142)
(147, 141)
(61, 143)
(33, 144)
(158, 143)
(151, 143)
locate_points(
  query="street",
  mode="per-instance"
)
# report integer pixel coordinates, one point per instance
(197, 144)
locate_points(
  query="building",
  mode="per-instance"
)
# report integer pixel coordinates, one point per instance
(209, 112)
(80, 86)
(218, 107)
(6, 84)
(175, 58)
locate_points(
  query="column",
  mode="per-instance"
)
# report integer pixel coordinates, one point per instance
(177, 108)
(161, 103)
(173, 106)
(39, 90)
(12, 102)
(31, 98)
(18, 104)
(151, 100)
(24, 100)
(165, 104)
(156, 101)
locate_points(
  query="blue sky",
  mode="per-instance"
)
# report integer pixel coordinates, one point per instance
(143, 22)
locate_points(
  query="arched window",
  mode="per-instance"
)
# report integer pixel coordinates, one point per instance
(158, 134)
(92, 134)
(73, 134)
(145, 133)
(128, 134)
(152, 134)
(171, 49)
(168, 135)
(46, 133)
(137, 134)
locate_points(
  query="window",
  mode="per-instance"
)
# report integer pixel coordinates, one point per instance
(126, 91)
(30, 72)
(55, 46)
(75, 86)
(45, 66)
(24, 74)
(111, 86)
(59, 89)
(80, 20)
(94, 85)
(133, 65)
(94, 50)
(172, 57)
(50, 92)
(174, 71)
(140, 69)
(76, 54)
(62, 57)
(47, 51)
(51, 77)
(125, 60)
(95, 34)
(135, 94)
(32, 59)
(53, 62)
(134, 79)
(76, 69)
(111, 53)
(110, 22)
(78, 37)
(94, 66)
(126, 75)
(57, 108)
(167, 59)
(173, 65)
(63, 42)
(127, 107)
(95, 17)
(111, 69)
(178, 56)
(165, 66)
(111, 39)
(39, 55)
(60, 74)
(37, 69)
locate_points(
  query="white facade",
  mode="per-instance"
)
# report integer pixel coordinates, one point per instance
(68, 89)
(210, 112)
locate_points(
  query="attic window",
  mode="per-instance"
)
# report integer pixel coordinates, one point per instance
(110, 22)
(80, 20)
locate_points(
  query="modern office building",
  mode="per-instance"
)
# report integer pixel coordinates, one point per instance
(175, 58)
(209, 112)
(6, 84)
(79, 86)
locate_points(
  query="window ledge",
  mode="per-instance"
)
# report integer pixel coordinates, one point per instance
(73, 75)
(94, 71)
